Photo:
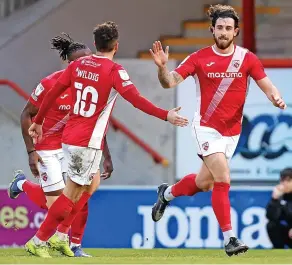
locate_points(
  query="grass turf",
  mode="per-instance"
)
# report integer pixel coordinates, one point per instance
(154, 256)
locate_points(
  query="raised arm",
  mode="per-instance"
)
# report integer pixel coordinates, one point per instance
(168, 78)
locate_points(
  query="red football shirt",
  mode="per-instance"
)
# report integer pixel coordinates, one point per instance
(95, 83)
(57, 115)
(222, 85)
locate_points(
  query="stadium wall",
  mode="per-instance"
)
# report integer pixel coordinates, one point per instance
(13, 152)
(27, 57)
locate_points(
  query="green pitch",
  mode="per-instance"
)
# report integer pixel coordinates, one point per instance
(156, 256)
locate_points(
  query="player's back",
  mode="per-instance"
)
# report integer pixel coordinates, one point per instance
(93, 98)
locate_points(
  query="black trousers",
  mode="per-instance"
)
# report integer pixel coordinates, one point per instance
(278, 234)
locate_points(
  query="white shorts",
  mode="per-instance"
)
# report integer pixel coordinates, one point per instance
(83, 163)
(51, 173)
(210, 141)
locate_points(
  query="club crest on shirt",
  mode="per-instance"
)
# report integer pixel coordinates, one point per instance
(235, 63)
(44, 176)
(91, 176)
(205, 146)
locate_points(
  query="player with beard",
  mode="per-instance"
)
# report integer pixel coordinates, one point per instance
(222, 73)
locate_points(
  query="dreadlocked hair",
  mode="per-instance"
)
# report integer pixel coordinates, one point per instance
(66, 45)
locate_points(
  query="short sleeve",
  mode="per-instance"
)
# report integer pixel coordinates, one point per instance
(256, 69)
(65, 77)
(188, 66)
(121, 80)
(38, 94)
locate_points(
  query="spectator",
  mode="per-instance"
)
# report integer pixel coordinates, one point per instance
(279, 212)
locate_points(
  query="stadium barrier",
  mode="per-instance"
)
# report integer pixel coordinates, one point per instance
(19, 220)
(121, 218)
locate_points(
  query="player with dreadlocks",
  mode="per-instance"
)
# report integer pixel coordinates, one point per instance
(46, 159)
(69, 50)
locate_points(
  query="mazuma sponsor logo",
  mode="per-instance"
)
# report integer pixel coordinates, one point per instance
(225, 75)
(64, 107)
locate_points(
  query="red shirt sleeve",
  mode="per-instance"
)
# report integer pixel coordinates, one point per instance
(188, 66)
(38, 94)
(65, 77)
(60, 86)
(256, 69)
(138, 101)
(48, 100)
(125, 87)
(121, 80)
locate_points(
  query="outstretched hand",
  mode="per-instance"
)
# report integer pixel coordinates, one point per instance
(174, 118)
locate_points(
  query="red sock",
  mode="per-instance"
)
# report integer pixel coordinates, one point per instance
(59, 210)
(64, 227)
(35, 193)
(78, 225)
(185, 187)
(221, 205)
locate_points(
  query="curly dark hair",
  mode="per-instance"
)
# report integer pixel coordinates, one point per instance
(106, 36)
(222, 11)
(66, 45)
